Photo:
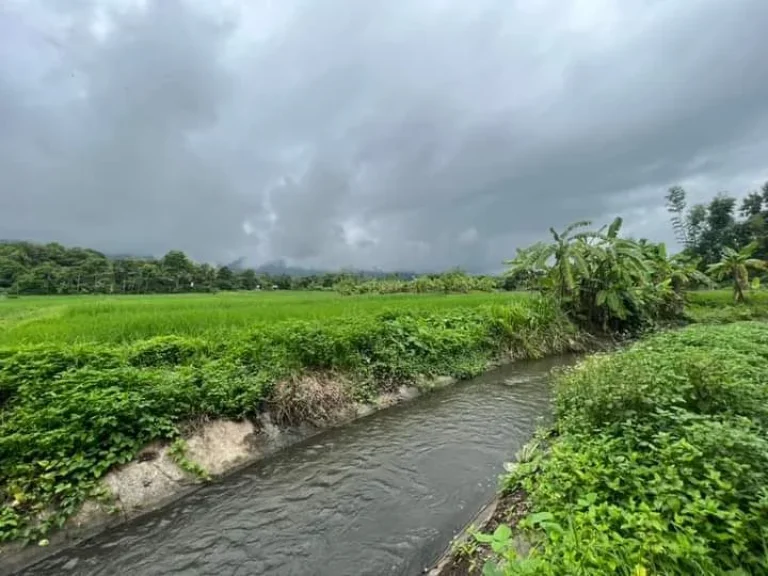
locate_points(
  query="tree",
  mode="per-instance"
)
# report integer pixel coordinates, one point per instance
(10, 270)
(736, 264)
(695, 223)
(224, 278)
(177, 269)
(616, 283)
(676, 204)
(204, 278)
(751, 205)
(248, 280)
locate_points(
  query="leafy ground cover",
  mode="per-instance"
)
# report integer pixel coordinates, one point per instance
(658, 464)
(81, 393)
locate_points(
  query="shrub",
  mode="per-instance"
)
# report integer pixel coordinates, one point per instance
(660, 465)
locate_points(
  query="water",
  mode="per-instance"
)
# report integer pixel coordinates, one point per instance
(383, 495)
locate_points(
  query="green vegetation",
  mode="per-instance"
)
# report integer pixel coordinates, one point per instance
(658, 464)
(27, 268)
(718, 307)
(706, 230)
(450, 282)
(658, 461)
(606, 282)
(86, 383)
(122, 319)
(649, 470)
(735, 265)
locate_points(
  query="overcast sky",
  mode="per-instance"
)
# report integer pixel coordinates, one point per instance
(400, 134)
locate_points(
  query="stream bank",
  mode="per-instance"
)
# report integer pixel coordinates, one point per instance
(657, 464)
(380, 495)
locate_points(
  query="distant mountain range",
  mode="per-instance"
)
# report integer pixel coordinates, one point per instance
(279, 267)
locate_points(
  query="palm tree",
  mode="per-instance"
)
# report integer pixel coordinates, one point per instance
(736, 265)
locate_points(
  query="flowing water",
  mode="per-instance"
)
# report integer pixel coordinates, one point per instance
(382, 495)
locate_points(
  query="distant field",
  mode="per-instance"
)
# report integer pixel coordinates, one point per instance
(724, 297)
(121, 319)
(717, 306)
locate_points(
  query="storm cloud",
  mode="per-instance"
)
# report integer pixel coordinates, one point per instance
(402, 134)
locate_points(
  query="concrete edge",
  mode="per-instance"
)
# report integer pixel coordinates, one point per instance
(478, 521)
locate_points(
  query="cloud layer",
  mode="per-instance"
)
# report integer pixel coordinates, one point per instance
(401, 134)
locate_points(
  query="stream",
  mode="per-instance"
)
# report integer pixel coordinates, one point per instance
(382, 495)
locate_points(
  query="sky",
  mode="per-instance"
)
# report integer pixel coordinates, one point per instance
(406, 134)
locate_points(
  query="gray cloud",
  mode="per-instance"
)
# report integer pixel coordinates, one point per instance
(396, 134)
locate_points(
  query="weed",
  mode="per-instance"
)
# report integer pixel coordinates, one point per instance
(178, 452)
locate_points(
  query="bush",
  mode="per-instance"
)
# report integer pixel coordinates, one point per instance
(660, 464)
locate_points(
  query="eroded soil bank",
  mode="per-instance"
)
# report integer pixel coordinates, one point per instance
(380, 495)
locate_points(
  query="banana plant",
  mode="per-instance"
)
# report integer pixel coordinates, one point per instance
(736, 265)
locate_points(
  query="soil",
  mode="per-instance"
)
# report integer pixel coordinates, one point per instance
(510, 509)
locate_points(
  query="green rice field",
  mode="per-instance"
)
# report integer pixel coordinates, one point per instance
(124, 319)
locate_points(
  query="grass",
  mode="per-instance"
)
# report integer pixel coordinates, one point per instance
(125, 319)
(659, 464)
(718, 307)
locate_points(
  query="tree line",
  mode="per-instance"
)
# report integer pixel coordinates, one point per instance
(28, 268)
(725, 241)
(705, 230)
(31, 268)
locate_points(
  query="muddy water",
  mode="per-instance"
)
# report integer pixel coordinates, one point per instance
(382, 495)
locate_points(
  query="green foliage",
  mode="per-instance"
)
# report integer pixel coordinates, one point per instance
(217, 317)
(705, 230)
(455, 281)
(28, 268)
(71, 412)
(605, 281)
(660, 464)
(718, 307)
(165, 351)
(735, 264)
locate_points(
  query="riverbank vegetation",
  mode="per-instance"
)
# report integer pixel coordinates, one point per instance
(91, 394)
(86, 381)
(606, 282)
(658, 462)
